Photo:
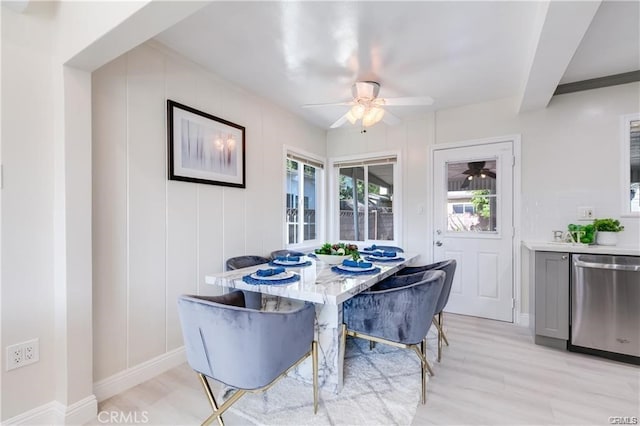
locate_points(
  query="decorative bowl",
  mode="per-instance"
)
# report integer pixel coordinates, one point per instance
(333, 259)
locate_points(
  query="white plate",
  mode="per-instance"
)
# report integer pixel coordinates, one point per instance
(289, 262)
(280, 276)
(355, 268)
(374, 258)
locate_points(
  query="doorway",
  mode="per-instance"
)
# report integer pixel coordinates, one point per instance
(473, 213)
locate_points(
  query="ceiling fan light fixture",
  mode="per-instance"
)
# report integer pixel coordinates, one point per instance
(351, 117)
(372, 116)
(358, 110)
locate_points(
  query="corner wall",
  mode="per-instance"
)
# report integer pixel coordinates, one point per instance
(570, 154)
(155, 239)
(570, 157)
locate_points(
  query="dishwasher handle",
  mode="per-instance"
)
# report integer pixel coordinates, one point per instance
(611, 266)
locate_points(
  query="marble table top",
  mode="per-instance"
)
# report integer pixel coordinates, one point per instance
(318, 283)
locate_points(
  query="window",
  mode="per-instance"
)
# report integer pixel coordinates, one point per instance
(303, 200)
(472, 196)
(630, 168)
(367, 193)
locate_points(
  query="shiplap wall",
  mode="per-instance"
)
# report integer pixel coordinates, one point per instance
(155, 239)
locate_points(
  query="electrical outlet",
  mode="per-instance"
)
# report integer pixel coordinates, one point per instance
(586, 213)
(22, 354)
(31, 351)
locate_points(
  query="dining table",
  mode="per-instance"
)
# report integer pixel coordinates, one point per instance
(327, 287)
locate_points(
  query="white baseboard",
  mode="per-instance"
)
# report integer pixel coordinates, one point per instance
(133, 376)
(79, 412)
(56, 413)
(46, 414)
(523, 321)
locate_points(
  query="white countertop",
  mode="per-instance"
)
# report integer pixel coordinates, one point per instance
(575, 248)
(318, 284)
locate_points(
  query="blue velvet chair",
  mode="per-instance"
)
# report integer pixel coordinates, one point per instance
(252, 299)
(398, 316)
(449, 268)
(278, 253)
(245, 261)
(244, 348)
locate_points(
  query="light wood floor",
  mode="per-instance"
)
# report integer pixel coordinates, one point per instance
(491, 374)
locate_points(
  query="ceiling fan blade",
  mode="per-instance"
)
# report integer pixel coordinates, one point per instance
(390, 119)
(339, 122)
(325, 105)
(490, 173)
(409, 101)
(465, 184)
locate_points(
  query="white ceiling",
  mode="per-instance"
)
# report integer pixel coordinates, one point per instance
(296, 53)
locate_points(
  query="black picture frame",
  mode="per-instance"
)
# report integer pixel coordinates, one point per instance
(203, 148)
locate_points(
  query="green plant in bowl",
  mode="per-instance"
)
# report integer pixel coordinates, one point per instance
(607, 225)
(583, 233)
(339, 249)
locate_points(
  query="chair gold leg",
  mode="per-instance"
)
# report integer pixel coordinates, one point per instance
(441, 335)
(441, 321)
(343, 340)
(439, 340)
(424, 364)
(314, 361)
(423, 348)
(212, 400)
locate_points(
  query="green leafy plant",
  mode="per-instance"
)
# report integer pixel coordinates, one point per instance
(339, 249)
(481, 202)
(608, 225)
(586, 233)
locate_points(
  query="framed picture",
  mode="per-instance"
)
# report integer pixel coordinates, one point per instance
(204, 148)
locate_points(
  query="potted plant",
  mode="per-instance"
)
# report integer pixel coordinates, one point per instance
(607, 231)
(336, 253)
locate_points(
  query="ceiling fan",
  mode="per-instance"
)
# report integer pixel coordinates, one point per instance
(368, 107)
(476, 169)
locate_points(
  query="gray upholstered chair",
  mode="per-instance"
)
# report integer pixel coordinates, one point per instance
(398, 316)
(252, 299)
(245, 261)
(278, 253)
(244, 348)
(449, 268)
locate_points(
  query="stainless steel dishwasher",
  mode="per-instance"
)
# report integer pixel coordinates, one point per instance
(605, 306)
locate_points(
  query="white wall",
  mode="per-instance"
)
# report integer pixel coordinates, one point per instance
(570, 158)
(27, 205)
(570, 154)
(411, 139)
(155, 239)
(46, 206)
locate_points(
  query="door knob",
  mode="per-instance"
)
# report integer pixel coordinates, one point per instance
(439, 243)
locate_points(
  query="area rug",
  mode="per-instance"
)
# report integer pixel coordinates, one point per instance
(381, 387)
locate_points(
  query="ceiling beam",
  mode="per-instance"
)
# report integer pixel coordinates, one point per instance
(151, 18)
(560, 29)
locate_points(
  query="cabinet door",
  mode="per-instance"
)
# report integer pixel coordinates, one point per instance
(552, 294)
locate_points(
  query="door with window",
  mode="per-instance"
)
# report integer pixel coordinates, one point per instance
(304, 201)
(473, 223)
(367, 195)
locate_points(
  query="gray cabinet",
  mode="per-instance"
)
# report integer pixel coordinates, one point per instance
(552, 298)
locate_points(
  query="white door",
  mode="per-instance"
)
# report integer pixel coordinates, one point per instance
(473, 223)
